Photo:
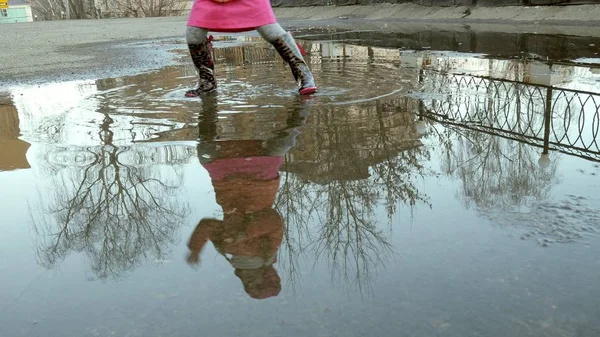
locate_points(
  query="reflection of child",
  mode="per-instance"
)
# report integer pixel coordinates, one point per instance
(251, 230)
(239, 16)
(245, 177)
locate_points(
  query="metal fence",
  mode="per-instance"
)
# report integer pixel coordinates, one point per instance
(553, 118)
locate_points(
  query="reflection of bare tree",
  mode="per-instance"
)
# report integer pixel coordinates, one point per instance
(113, 208)
(331, 202)
(393, 172)
(480, 117)
(494, 172)
(349, 237)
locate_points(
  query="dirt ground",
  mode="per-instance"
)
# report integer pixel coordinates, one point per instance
(76, 49)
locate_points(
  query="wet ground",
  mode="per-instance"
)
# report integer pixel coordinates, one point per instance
(419, 193)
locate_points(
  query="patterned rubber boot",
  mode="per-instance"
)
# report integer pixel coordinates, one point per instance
(203, 59)
(289, 51)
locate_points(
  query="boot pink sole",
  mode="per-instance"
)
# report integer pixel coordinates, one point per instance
(308, 91)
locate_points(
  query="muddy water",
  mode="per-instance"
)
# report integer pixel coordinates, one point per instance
(417, 194)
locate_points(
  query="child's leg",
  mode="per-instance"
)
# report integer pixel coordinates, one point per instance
(202, 56)
(195, 35)
(288, 49)
(271, 32)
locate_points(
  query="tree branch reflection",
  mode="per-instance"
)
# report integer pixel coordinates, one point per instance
(330, 195)
(115, 204)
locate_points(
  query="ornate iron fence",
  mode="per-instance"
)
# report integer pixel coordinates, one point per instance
(553, 118)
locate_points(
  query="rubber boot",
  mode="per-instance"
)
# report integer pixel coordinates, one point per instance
(203, 59)
(291, 54)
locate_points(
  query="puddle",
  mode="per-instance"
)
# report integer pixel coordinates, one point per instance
(533, 46)
(420, 192)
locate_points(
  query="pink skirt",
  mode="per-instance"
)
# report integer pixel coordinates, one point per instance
(233, 16)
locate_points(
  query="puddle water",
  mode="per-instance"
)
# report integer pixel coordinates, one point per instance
(419, 193)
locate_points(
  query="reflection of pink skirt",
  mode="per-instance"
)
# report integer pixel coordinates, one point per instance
(233, 16)
(255, 168)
